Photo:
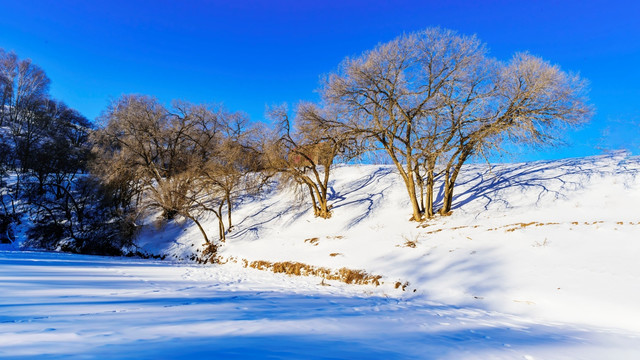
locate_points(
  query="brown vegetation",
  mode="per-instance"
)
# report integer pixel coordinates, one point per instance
(410, 244)
(404, 285)
(186, 161)
(515, 226)
(345, 275)
(312, 241)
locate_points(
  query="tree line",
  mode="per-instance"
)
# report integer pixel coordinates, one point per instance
(427, 101)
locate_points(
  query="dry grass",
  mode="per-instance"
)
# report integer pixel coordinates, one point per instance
(434, 231)
(208, 254)
(299, 269)
(335, 254)
(336, 237)
(522, 225)
(409, 241)
(312, 241)
(401, 285)
(410, 244)
(540, 244)
(519, 226)
(458, 227)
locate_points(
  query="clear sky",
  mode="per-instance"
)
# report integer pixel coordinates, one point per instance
(249, 54)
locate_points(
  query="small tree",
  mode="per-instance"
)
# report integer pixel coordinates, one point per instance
(305, 154)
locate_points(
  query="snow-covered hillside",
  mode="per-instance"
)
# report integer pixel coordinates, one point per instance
(538, 260)
(556, 239)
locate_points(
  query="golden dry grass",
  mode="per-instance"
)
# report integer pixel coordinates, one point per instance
(345, 275)
(312, 241)
(208, 254)
(518, 226)
(410, 244)
(401, 285)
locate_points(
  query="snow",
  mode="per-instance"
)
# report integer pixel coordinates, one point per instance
(538, 261)
(61, 305)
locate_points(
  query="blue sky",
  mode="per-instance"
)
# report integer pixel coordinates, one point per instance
(249, 54)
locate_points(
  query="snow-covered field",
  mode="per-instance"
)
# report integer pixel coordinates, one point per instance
(61, 306)
(538, 261)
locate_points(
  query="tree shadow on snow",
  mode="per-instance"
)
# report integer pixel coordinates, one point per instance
(555, 179)
(278, 327)
(350, 195)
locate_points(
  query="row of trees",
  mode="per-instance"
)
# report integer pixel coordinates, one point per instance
(428, 101)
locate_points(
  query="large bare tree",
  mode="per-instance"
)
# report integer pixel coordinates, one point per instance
(433, 99)
(526, 100)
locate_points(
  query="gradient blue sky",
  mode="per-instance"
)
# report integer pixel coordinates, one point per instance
(249, 54)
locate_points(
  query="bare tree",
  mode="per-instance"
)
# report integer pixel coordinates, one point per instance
(392, 92)
(434, 98)
(527, 101)
(187, 160)
(143, 144)
(24, 89)
(305, 154)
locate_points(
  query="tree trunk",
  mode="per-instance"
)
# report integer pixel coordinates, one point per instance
(229, 205)
(448, 197)
(450, 182)
(413, 198)
(408, 177)
(324, 208)
(420, 182)
(204, 234)
(428, 211)
(223, 236)
(314, 201)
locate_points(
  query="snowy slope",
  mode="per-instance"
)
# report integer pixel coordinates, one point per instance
(552, 239)
(538, 261)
